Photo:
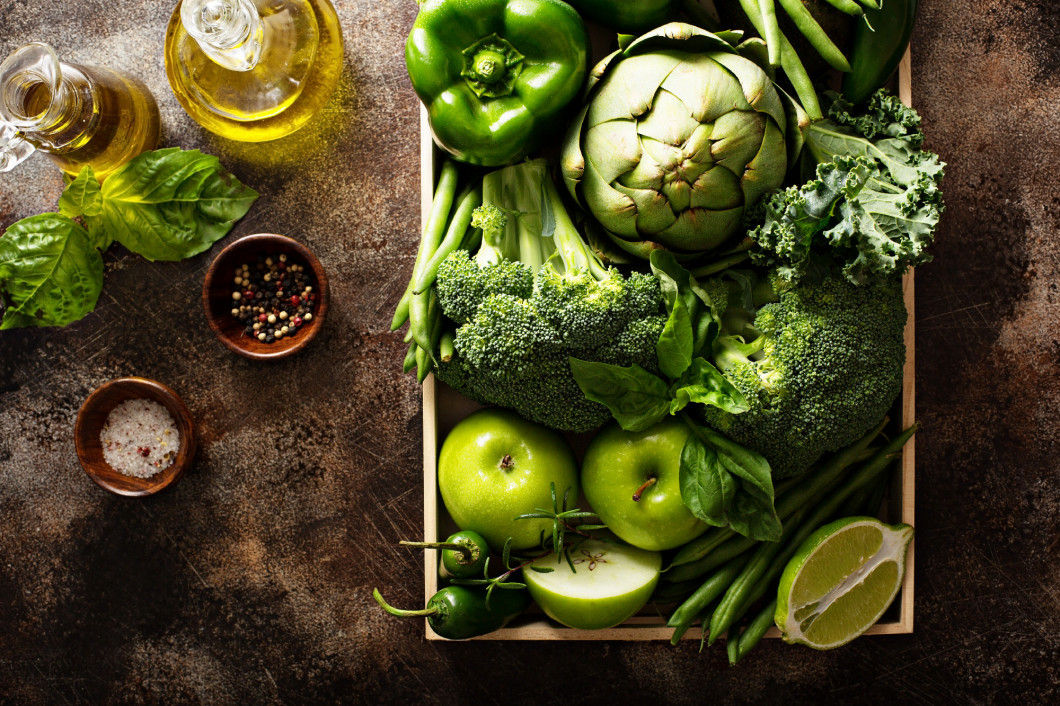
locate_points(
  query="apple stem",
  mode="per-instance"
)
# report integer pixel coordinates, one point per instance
(507, 462)
(640, 491)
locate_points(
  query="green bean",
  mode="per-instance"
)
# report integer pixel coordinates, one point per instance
(434, 314)
(848, 6)
(768, 561)
(423, 364)
(469, 200)
(789, 61)
(755, 631)
(410, 357)
(446, 347)
(732, 644)
(768, 11)
(419, 321)
(815, 34)
(874, 4)
(687, 613)
(433, 229)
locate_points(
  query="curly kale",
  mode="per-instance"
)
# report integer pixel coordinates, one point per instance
(819, 367)
(871, 207)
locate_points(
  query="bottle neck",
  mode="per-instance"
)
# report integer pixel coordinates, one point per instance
(42, 102)
(230, 32)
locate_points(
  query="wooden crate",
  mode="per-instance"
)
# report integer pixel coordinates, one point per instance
(442, 408)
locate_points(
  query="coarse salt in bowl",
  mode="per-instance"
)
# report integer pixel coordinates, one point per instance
(132, 416)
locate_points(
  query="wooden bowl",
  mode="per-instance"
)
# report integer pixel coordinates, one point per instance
(218, 287)
(93, 415)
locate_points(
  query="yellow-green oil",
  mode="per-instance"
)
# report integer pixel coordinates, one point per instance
(194, 77)
(107, 118)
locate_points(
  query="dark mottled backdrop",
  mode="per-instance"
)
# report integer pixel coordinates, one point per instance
(250, 580)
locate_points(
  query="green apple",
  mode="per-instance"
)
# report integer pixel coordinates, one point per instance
(495, 465)
(620, 464)
(611, 582)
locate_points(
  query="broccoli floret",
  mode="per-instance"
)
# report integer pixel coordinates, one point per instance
(521, 321)
(463, 283)
(819, 368)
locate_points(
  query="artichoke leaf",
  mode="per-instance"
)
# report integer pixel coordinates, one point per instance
(757, 88)
(572, 158)
(706, 87)
(614, 148)
(766, 171)
(628, 91)
(669, 120)
(616, 211)
(655, 211)
(717, 189)
(700, 229)
(737, 139)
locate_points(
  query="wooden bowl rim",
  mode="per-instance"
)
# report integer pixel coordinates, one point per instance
(161, 480)
(255, 243)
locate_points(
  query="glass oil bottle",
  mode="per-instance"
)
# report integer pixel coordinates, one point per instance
(77, 115)
(253, 70)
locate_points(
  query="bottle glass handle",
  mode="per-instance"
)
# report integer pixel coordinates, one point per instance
(13, 149)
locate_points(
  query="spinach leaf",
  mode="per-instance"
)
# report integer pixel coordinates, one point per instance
(170, 204)
(726, 485)
(674, 348)
(637, 399)
(703, 383)
(51, 273)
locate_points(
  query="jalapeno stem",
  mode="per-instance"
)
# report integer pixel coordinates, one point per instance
(465, 551)
(423, 613)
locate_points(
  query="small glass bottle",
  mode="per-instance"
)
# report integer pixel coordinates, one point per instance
(253, 70)
(77, 115)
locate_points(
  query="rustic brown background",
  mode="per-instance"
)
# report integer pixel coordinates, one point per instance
(250, 580)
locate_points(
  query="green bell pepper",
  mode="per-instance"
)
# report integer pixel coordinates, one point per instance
(628, 16)
(496, 75)
(880, 41)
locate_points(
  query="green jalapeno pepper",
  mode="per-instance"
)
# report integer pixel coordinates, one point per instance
(879, 49)
(496, 75)
(459, 612)
(631, 16)
(464, 554)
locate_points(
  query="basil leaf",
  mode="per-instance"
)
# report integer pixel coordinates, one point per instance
(638, 400)
(171, 203)
(674, 347)
(706, 487)
(678, 283)
(82, 196)
(726, 485)
(704, 384)
(50, 272)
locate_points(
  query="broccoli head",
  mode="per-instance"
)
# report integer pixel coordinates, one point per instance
(532, 296)
(819, 367)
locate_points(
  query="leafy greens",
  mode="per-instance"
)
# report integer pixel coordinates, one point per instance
(168, 204)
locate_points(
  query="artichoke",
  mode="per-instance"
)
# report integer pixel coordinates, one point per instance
(679, 134)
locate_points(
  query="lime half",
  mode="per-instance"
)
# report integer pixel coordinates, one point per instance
(840, 581)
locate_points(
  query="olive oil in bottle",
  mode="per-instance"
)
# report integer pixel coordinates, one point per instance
(253, 70)
(77, 115)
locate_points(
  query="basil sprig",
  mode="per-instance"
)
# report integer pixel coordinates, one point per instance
(722, 483)
(168, 204)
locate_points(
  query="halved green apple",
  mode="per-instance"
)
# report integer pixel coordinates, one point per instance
(610, 583)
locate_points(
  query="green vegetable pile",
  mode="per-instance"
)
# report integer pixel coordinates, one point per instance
(738, 263)
(168, 204)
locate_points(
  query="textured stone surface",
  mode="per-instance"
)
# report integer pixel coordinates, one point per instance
(250, 580)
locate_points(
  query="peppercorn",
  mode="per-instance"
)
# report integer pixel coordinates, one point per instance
(280, 297)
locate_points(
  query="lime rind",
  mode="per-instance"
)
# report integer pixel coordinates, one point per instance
(841, 581)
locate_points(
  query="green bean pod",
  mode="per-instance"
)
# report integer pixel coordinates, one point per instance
(815, 34)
